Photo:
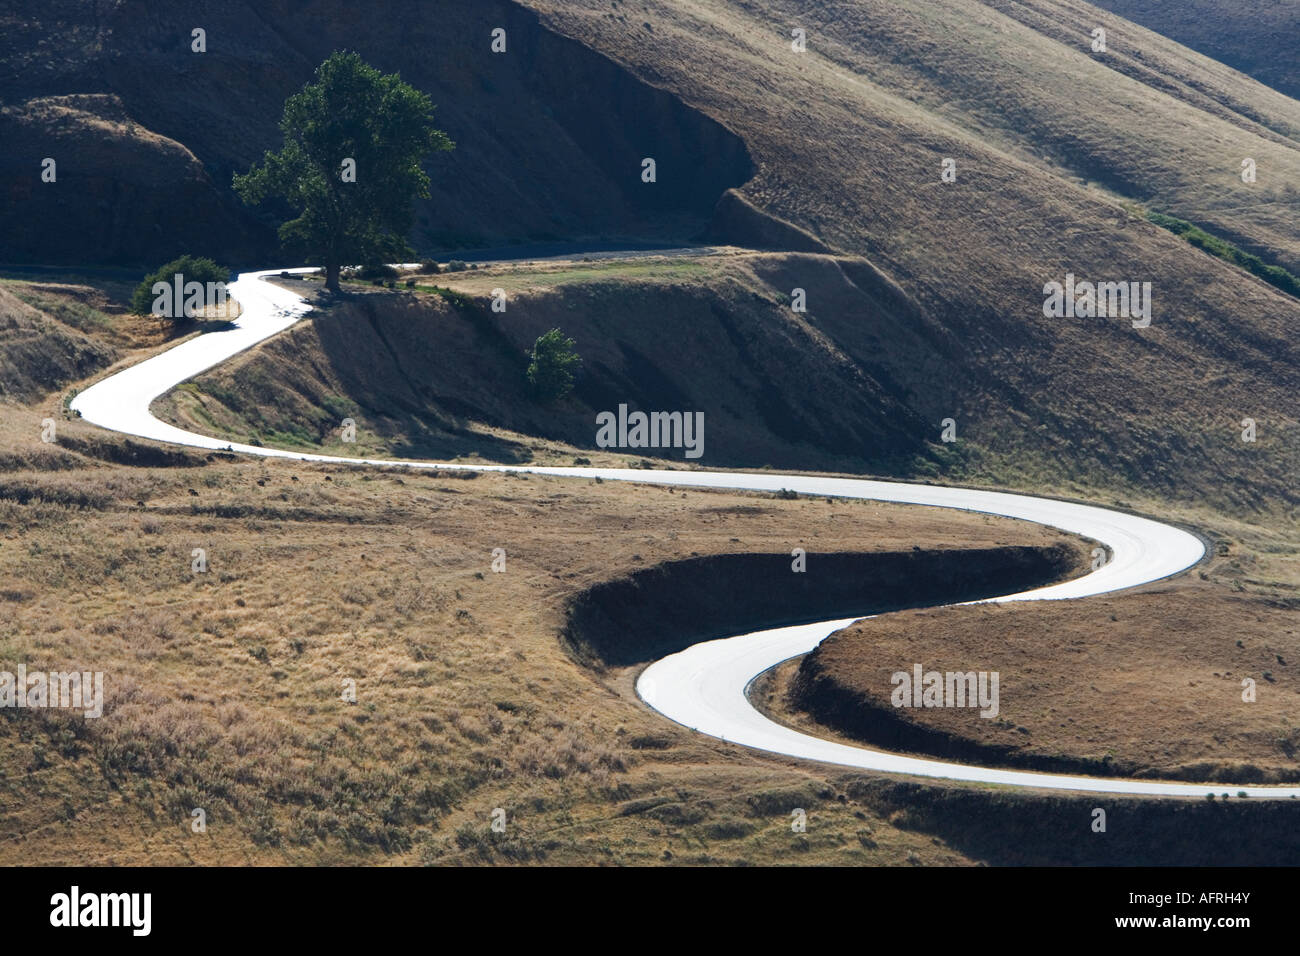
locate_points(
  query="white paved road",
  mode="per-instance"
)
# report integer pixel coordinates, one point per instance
(703, 687)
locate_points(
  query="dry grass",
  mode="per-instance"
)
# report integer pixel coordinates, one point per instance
(224, 688)
(1146, 684)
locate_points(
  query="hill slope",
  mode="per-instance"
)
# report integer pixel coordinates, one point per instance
(1058, 149)
(1050, 141)
(429, 377)
(1260, 41)
(127, 102)
(38, 352)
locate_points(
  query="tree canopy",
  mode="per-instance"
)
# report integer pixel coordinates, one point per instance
(354, 140)
(553, 365)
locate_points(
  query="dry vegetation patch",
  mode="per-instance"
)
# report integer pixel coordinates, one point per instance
(224, 688)
(1137, 685)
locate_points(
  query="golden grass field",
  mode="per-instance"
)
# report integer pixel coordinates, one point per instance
(224, 688)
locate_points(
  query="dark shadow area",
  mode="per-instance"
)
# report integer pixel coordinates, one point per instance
(1032, 828)
(550, 135)
(667, 608)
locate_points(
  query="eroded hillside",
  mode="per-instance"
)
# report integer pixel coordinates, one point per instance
(147, 133)
(858, 382)
(430, 375)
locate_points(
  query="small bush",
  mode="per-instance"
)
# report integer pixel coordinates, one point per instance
(458, 299)
(553, 366)
(190, 268)
(377, 270)
(469, 837)
(430, 267)
(456, 265)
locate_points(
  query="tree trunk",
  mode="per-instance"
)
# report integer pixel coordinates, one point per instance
(332, 276)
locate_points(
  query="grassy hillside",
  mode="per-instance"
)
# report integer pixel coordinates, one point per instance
(1053, 144)
(924, 302)
(1050, 140)
(430, 375)
(1162, 696)
(1259, 40)
(224, 688)
(859, 383)
(38, 352)
(1045, 130)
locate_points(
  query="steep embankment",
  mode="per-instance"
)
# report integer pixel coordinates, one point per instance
(439, 377)
(661, 610)
(38, 352)
(147, 132)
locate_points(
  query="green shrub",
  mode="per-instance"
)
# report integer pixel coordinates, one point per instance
(553, 365)
(1222, 249)
(190, 268)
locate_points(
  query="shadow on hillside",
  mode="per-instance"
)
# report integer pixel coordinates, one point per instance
(448, 447)
(1014, 828)
(666, 608)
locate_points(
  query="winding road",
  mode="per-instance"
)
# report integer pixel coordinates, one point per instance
(704, 687)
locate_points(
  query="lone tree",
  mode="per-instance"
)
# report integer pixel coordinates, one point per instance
(350, 165)
(552, 367)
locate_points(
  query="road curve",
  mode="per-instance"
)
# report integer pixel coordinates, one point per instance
(703, 687)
